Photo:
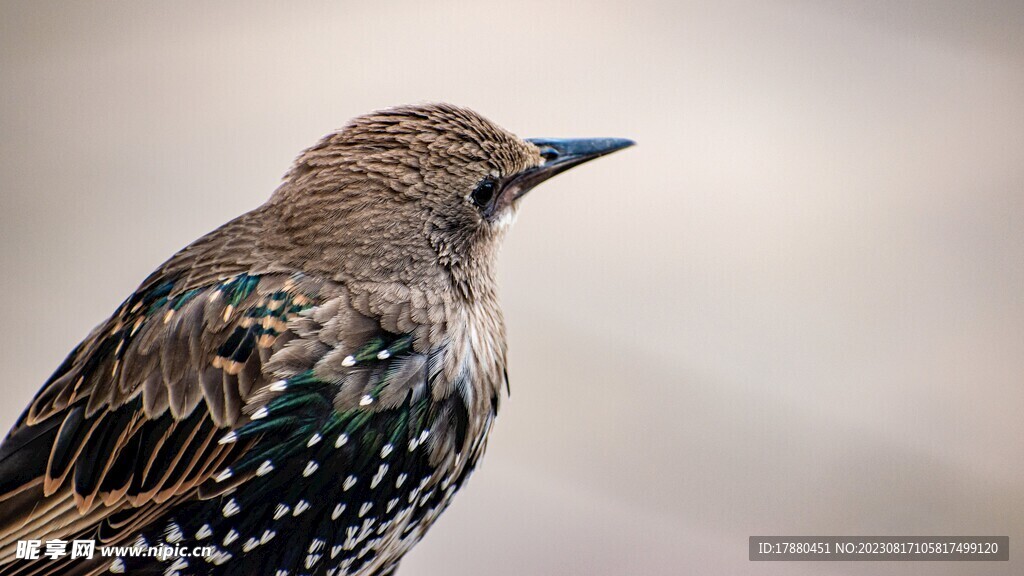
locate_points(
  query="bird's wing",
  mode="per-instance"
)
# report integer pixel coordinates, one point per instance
(132, 415)
(184, 395)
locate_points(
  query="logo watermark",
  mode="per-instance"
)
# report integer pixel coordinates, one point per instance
(56, 549)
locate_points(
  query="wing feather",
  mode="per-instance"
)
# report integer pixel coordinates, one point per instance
(130, 419)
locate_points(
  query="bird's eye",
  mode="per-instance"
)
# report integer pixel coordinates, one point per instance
(484, 192)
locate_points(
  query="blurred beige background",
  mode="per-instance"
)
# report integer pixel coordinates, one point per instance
(797, 307)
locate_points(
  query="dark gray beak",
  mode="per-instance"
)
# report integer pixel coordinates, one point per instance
(560, 155)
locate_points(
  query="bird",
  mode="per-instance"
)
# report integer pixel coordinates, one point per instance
(303, 389)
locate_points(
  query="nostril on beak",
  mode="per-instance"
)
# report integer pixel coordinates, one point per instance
(548, 153)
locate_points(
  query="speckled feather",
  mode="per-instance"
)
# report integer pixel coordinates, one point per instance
(303, 389)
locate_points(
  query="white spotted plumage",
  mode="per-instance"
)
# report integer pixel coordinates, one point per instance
(281, 510)
(311, 467)
(265, 468)
(231, 508)
(381, 471)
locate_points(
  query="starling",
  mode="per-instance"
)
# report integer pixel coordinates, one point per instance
(302, 390)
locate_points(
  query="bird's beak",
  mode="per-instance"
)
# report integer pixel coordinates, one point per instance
(560, 155)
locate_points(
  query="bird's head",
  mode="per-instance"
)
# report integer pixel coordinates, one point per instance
(430, 186)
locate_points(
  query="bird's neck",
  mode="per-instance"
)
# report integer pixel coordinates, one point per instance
(352, 240)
